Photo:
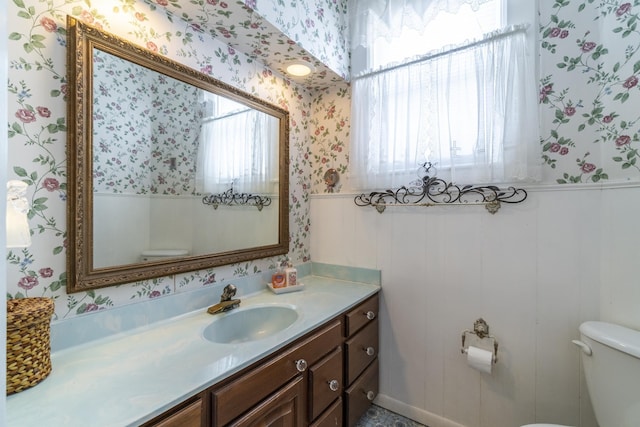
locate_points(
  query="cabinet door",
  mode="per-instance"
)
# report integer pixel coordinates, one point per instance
(284, 408)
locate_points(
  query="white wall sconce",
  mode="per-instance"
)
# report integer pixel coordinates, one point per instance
(18, 233)
(300, 68)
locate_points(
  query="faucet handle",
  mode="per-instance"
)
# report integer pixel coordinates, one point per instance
(228, 292)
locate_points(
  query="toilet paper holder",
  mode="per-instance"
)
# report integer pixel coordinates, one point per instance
(481, 330)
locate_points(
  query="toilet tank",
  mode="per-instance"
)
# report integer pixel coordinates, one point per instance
(162, 254)
(612, 372)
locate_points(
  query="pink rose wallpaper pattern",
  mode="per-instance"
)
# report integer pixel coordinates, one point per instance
(588, 92)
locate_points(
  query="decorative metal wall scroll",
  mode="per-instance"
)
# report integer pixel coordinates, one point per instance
(432, 191)
(232, 198)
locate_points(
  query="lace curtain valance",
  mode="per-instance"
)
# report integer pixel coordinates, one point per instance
(371, 19)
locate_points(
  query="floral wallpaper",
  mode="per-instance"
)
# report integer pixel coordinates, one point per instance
(329, 136)
(588, 92)
(37, 138)
(320, 26)
(146, 129)
(273, 32)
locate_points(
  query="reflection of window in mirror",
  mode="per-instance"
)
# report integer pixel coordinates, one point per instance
(236, 148)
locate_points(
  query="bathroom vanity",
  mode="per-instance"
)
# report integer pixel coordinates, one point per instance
(326, 378)
(320, 370)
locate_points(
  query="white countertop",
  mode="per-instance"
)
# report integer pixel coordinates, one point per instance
(129, 378)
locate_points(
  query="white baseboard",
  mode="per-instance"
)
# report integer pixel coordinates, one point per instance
(417, 414)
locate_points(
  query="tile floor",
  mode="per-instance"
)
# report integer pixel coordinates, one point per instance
(380, 417)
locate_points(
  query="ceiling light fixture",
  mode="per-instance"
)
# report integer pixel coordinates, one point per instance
(300, 68)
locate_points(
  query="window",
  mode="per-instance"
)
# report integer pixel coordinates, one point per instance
(444, 82)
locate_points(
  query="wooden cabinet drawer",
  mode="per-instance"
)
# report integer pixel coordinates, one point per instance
(359, 396)
(361, 315)
(236, 397)
(361, 350)
(332, 416)
(325, 383)
(189, 416)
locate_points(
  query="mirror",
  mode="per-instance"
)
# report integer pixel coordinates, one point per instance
(169, 170)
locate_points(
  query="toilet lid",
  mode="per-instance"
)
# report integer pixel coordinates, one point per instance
(545, 425)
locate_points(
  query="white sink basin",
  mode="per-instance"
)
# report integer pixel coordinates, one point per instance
(249, 324)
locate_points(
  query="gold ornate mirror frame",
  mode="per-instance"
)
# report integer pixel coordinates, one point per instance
(82, 275)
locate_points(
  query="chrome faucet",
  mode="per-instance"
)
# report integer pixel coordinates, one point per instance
(226, 301)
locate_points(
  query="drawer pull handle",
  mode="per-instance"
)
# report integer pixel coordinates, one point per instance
(370, 315)
(370, 396)
(334, 385)
(301, 365)
(370, 351)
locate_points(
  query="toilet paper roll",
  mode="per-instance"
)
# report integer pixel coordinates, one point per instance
(479, 359)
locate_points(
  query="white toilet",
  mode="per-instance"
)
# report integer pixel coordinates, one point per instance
(611, 363)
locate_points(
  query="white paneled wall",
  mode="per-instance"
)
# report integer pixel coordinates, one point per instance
(533, 271)
(621, 257)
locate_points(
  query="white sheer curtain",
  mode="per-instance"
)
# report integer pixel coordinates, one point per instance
(470, 109)
(236, 149)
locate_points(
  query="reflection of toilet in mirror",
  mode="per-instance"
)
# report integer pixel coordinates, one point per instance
(611, 363)
(162, 254)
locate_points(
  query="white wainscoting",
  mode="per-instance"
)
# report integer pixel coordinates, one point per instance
(534, 271)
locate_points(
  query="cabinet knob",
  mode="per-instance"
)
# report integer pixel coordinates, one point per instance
(370, 315)
(301, 365)
(334, 385)
(370, 351)
(371, 395)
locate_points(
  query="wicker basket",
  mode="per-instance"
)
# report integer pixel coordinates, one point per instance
(28, 342)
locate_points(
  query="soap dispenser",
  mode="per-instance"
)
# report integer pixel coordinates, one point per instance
(291, 274)
(278, 279)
